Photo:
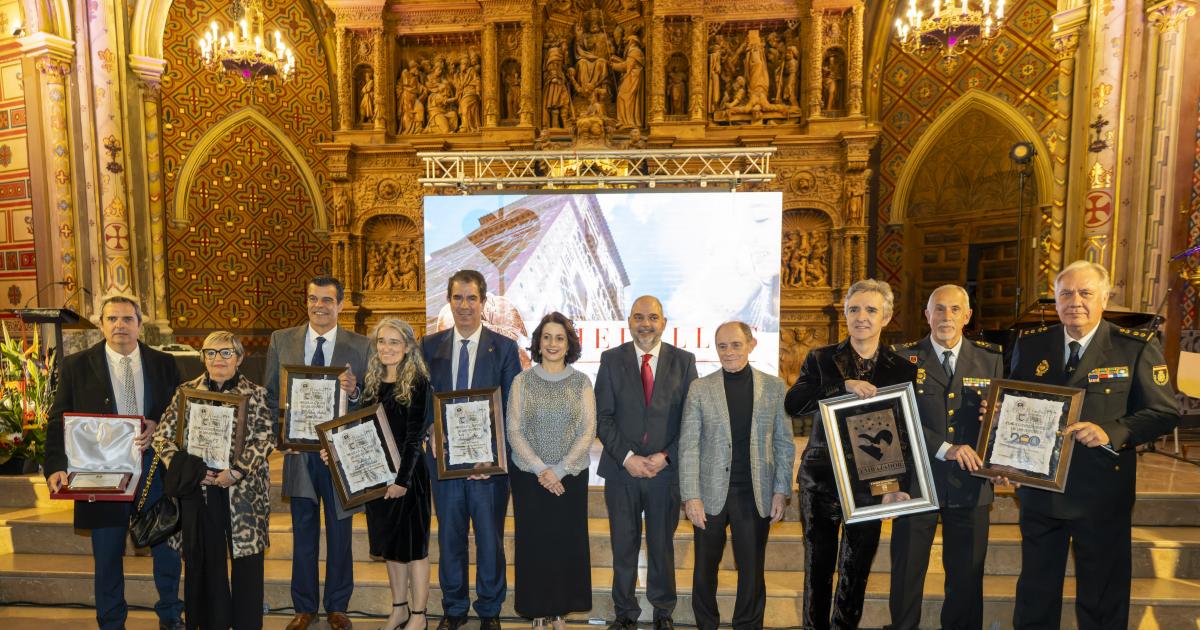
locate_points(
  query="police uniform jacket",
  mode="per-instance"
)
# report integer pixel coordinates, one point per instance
(949, 409)
(1128, 393)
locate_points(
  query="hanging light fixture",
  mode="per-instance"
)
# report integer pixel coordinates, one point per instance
(951, 26)
(245, 50)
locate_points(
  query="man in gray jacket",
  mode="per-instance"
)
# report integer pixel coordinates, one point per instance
(306, 479)
(735, 471)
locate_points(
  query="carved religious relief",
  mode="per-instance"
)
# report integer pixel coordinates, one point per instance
(805, 250)
(677, 85)
(794, 344)
(392, 251)
(593, 67)
(439, 89)
(833, 82)
(856, 198)
(341, 209)
(754, 75)
(364, 82)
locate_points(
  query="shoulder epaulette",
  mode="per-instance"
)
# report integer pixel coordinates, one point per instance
(990, 347)
(1034, 331)
(1134, 333)
(897, 347)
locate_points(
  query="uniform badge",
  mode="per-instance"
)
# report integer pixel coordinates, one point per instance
(1042, 368)
(920, 376)
(969, 381)
(1108, 373)
(912, 358)
(1160, 375)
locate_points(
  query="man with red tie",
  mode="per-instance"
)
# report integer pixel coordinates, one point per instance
(640, 391)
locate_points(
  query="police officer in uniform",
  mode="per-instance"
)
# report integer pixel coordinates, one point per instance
(1129, 401)
(953, 375)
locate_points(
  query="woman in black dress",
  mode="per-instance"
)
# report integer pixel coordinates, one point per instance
(857, 365)
(398, 524)
(551, 425)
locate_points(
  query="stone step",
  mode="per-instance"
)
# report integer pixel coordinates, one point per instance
(1162, 552)
(65, 579)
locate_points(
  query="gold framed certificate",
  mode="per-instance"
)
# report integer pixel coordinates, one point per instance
(1022, 434)
(308, 396)
(212, 426)
(468, 433)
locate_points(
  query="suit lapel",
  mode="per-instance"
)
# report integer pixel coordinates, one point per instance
(666, 357)
(149, 380)
(1096, 351)
(723, 407)
(843, 358)
(99, 363)
(484, 358)
(1054, 374)
(440, 372)
(341, 349)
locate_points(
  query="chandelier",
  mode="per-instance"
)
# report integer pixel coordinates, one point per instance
(951, 26)
(245, 50)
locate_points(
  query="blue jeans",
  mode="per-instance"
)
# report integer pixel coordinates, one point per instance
(108, 551)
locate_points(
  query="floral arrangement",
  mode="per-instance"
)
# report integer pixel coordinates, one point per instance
(26, 397)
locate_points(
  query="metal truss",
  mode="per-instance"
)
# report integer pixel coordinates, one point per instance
(632, 168)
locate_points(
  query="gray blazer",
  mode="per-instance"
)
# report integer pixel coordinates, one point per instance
(287, 347)
(705, 444)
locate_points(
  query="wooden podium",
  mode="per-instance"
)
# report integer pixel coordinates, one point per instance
(60, 318)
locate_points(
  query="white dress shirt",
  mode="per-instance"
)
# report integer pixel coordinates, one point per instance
(1083, 343)
(117, 374)
(472, 351)
(653, 370)
(940, 351)
(310, 345)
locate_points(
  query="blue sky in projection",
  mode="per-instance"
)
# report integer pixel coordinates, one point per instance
(679, 246)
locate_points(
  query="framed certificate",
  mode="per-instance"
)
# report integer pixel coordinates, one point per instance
(212, 426)
(103, 460)
(308, 396)
(468, 433)
(363, 456)
(878, 451)
(1022, 435)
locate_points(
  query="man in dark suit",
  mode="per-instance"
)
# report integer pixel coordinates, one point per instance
(306, 479)
(953, 374)
(1129, 401)
(470, 356)
(640, 391)
(119, 376)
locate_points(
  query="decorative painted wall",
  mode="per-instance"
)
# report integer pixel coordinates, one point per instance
(1018, 68)
(18, 274)
(248, 187)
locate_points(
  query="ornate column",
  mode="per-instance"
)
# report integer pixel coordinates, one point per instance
(384, 83)
(491, 78)
(50, 166)
(1165, 69)
(345, 80)
(813, 67)
(529, 74)
(658, 70)
(698, 70)
(855, 99)
(1052, 232)
(154, 293)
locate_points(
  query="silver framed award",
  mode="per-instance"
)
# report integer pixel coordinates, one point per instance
(877, 448)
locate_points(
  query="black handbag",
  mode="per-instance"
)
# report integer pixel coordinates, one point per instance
(154, 525)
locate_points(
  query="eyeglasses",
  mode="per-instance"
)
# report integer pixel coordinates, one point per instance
(226, 353)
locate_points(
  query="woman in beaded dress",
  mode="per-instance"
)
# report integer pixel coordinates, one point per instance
(551, 425)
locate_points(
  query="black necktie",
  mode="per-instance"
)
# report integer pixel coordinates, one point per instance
(1073, 360)
(318, 358)
(947, 357)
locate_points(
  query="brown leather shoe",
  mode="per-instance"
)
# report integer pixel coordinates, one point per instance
(338, 621)
(301, 621)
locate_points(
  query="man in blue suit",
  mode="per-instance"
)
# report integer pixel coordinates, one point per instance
(465, 357)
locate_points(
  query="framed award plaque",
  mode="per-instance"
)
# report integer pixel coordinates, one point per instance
(103, 460)
(468, 433)
(363, 456)
(308, 396)
(878, 452)
(212, 426)
(1022, 434)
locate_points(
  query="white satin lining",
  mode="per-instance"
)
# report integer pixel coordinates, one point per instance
(101, 444)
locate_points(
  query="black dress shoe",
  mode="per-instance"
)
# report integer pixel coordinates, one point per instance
(451, 623)
(623, 623)
(664, 623)
(171, 625)
(489, 623)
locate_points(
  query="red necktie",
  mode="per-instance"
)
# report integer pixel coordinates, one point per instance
(647, 377)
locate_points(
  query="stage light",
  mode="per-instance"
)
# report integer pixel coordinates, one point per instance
(704, 183)
(652, 183)
(1022, 152)
(499, 185)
